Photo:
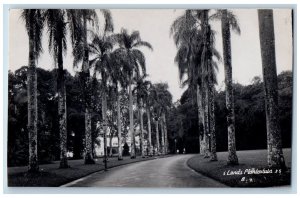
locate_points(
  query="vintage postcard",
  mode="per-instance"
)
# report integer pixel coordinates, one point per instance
(163, 98)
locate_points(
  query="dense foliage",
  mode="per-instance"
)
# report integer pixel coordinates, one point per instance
(48, 133)
(250, 117)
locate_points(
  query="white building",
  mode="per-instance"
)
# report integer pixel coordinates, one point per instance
(99, 149)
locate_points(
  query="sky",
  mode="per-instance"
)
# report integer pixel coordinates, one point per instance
(154, 27)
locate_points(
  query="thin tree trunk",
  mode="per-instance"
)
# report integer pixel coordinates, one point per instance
(232, 157)
(32, 107)
(204, 66)
(200, 120)
(141, 128)
(165, 132)
(88, 138)
(206, 124)
(213, 154)
(157, 136)
(267, 44)
(88, 121)
(132, 134)
(162, 137)
(110, 144)
(120, 157)
(62, 110)
(104, 117)
(149, 132)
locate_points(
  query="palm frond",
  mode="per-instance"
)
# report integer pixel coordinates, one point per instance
(109, 26)
(143, 43)
(34, 24)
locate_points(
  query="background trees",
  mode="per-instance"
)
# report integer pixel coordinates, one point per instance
(250, 117)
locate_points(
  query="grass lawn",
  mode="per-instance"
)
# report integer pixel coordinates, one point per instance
(52, 176)
(237, 176)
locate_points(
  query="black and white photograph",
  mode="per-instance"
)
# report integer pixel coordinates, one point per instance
(150, 98)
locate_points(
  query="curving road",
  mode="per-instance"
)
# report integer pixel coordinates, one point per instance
(162, 172)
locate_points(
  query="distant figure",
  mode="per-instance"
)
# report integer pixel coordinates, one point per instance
(126, 150)
(177, 151)
(183, 150)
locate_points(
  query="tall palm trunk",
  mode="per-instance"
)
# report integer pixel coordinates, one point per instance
(88, 121)
(213, 154)
(267, 44)
(162, 137)
(165, 133)
(204, 67)
(206, 122)
(62, 109)
(149, 132)
(132, 134)
(120, 157)
(141, 128)
(200, 120)
(232, 157)
(157, 136)
(104, 117)
(110, 145)
(32, 106)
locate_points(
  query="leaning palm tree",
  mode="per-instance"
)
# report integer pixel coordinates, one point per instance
(34, 25)
(133, 60)
(79, 23)
(229, 21)
(267, 45)
(57, 29)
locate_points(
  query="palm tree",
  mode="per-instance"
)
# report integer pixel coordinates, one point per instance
(195, 41)
(79, 23)
(157, 135)
(163, 101)
(152, 102)
(206, 58)
(133, 61)
(213, 147)
(57, 29)
(185, 32)
(120, 82)
(149, 103)
(101, 49)
(229, 21)
(34, 25)
(267, 44)
(164, 121)
(141, 93)
(163, 143)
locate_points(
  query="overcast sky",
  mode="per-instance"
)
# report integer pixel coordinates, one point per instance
(154, 26)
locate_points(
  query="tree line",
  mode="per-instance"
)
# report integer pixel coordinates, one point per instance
(48, 125)
(197, 60)
(250, 122)
(112, 65)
